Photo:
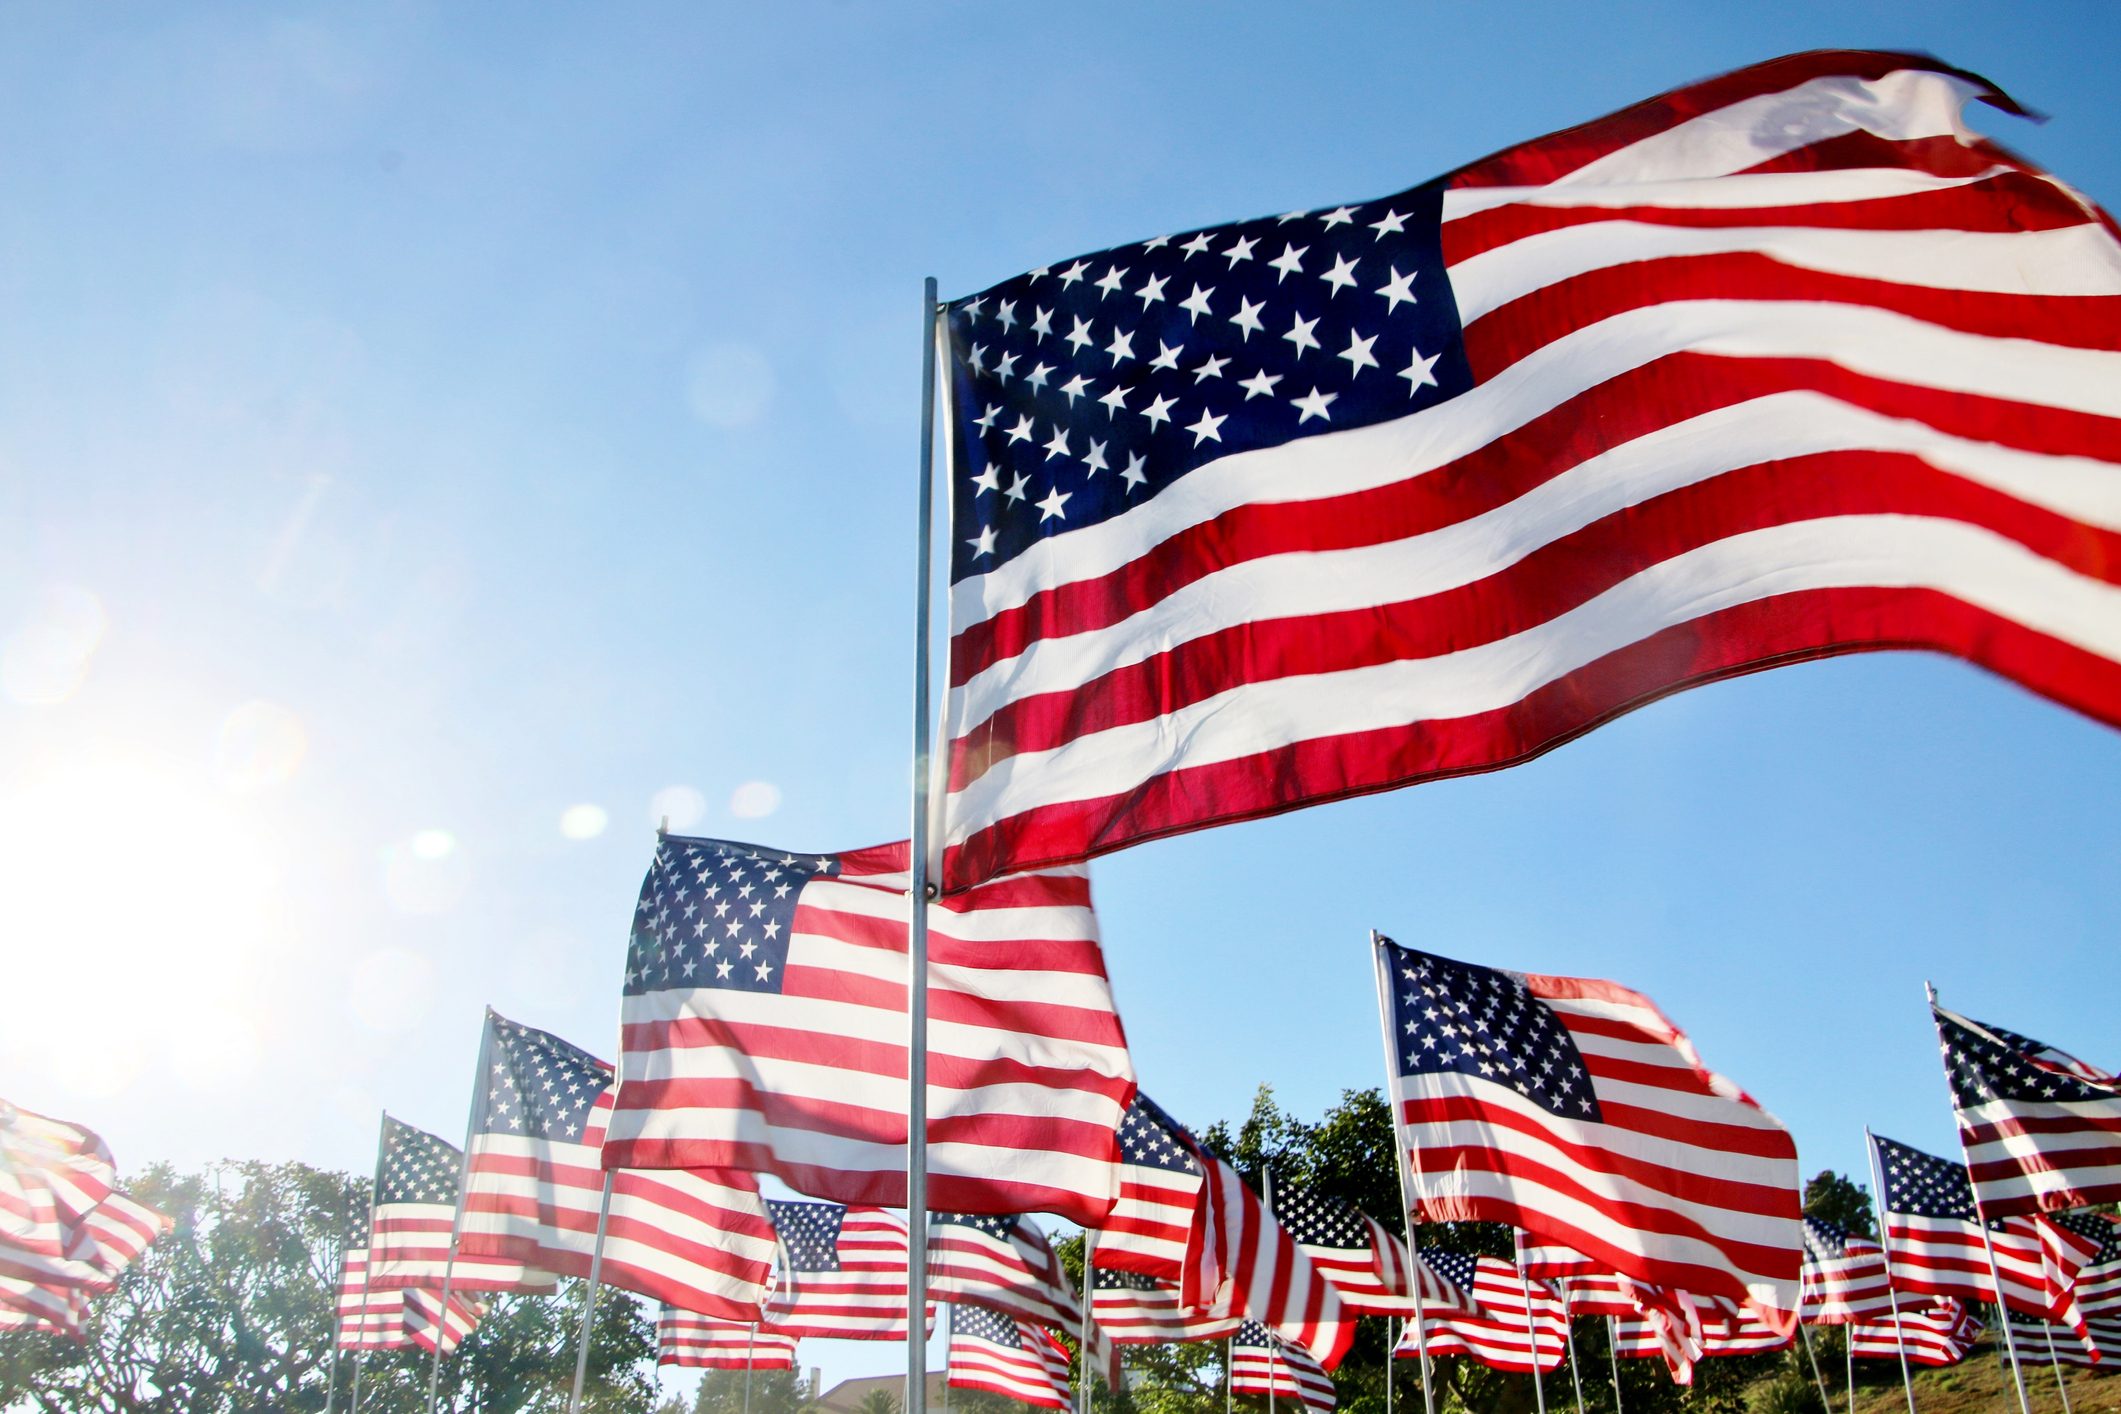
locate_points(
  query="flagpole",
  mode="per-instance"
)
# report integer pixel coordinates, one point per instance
(1082, 1333)
(1391, 1346)
(589, 1298)
(2055, 1362)
(1568, 1326)
(456, 1221)
(1612, 1350)
(1273, 1370)
(361, 1323)
(751, 1339)
(1848, 1346)
(1825, 1402)
(2003, 1315)
(1531, 1336)
(1399, 1153)
(1229, 1375)
(1885, 1245)
(331, 1378)
(918, 893)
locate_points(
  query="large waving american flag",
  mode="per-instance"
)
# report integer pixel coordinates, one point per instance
(2041, 1130)
(764, 1029)
(419, 1179)
(1575, 1110)
(698, 1241)
(1782, 364)
(1008, 1357)
(693, 1341)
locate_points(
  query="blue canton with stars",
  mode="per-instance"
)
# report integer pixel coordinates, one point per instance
(1149, 1137)
(714, 913)
(1318, 1220)
(1456, 1268)
(416, 1167)
(1825, 1241)
(2000, 1066)
(809, 1233)
(991, 1225)
(537, 1086)
(1081, 390)
(1922, 1185)
(1484, 1023)
(2102, 1230)
(978, 1323)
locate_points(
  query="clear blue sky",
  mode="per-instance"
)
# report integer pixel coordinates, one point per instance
(437, 441)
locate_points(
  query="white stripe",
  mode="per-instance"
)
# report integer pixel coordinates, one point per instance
(1973, 565)
(1736, 192)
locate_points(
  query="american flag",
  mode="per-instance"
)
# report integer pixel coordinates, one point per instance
(1781, 364)
(843, 1273)
(100, 1244)
(2041, 1129)
(418, 1178)
(1844, 1276)
(693, 1341)
(1004, 1264)
(1502, 1329)
(1008, 1357)
(53, 1174)
(2099, 1279)
(1262, 1362)
(1240, 1256)
(425, 1322)
(1938, 1334)
(369, 1319)
(2098, 1344)
(1674, 1318)
(66, 1316)
(764, 1030)
(1725, 1333)
(1575, 1110)
(1138, 1310)
(1159, 1189)
(1366, 1263)
(1933, 1241)
(694, 1240)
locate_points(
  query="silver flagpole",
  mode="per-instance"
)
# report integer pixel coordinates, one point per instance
(589, 1302)
(949, 1338)
(917, 897)
(1082, 1334)
(1273, 1370)
(1568, 1325)
(1848, 1346)
(1825, 1401)
(456, 1222)
(2055, 1362)
(331, 1378)
(1885, 1245)
(751, 1341)
(1229, 1375)
(1399, 1153)
(361, 1321)
(1531, 1336)
(1612, 1350)
(2003, 1315)
(1391, 1350)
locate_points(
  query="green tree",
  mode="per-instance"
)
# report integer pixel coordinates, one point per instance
(1838, 1199)
(772, 1392)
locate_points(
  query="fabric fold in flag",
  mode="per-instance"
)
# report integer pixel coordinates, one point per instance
(693, 1341)
(1015, 1359)
(1575, 1110)
(697, 1241)
(1263, 1363)
(1783, 364)
(764, 1030)
(418, 1182)
(2098, 1345)
(843, 1273)
(1364, 1261)
(1159, 1188)
(1941, 1333)
(53, 1174)
(1137, 1310)
(1844, 1276)
(2041, 1130)
(1007, 1265)
(1494, 1322)
(428, 1319)
(1240, 1257)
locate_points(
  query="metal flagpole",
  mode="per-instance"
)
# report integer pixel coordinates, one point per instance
(1391, 1351)
(361, 1321)
(1273, 1370)
(1612, 1350)
(2055, 1362)
(1568, 1325)
(1825, 1401)
(1531, 1337)
(917, 898)
(1848, 1345)
(751, 1340)
(2003, 1315)
(1885, 1245)
(949, 1337)
(456, 1222)
(1229, 1376)
(1082, 1333)
(331, 1379)
(1399, 1153)
(589, 1299)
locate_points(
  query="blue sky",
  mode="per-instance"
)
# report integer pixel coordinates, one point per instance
(435, 443)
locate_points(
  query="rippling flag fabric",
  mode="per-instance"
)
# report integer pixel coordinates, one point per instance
(1844, 1276)
(1008, 1357)
(843, 1273)
(1938, 1334)
(1782, 364)
(53, 1174)
(2099, 1279)
(1366, 1263)
(369, 1319)
(1502, 1329)
(1573, 1109)
(426, 1321)
(764, 1030)
(693, 1341)
(1240, 1257)
(1159, 1188)
(2099, 1344)
(1721, 1333)
(1138, 1310)
(2041, 1130)
(1262, 1362)
(419, 1179)
(697, 1241)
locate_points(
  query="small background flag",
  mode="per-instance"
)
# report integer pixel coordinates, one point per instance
(1367, 1265)
(1008, 1357)
(1938, 1334)
(764, 1030)
(1575, 1110)
(1158, 1191)
(369, 1319)
(843, 1273)
(1261, 1361)
(693, 1341)
(2098, 1345)
(417, 1184)
(426, 1324)
(1844, 1276)
(1501, 1329)
(1138, 1310)
(1242, 1258)
(2041, 1129)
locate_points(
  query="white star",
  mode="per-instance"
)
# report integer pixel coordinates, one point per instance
(1094, 460)
(1240, 249)
(982, 543)
(1357, 353)
(1289, 262)
(1005, 314)
(1134, 475)
(1394, 224)
(985, 421)
(1116, 400)
(1050, 508)
(1037, 376)
(977, 358)
(1209, 428)
(1300, 334)
(985, 481)
(1109, 282)
(1196, 304)
(1247, 316)
(1315, 406)
(1122, 345)
(1073, 273)
(1259, 385)
(1197, 246)
(1419, 372)
(1156, 243)
(1005, 366)
(1286, 217)
(1152, 290)
(972, 307)
(1015, 489)
(1159, 410)
(1399, 290)
(1022, 431)
(1042, 324)
(1080, 335)
(1166, 356)
(1058, 445)
(1340, 216)
(1075, 387)
(1341, 275)
(1210, 367)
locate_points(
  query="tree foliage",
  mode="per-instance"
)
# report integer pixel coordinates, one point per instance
(1840, 1200)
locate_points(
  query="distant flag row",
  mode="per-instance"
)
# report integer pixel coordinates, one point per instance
(67, 1231)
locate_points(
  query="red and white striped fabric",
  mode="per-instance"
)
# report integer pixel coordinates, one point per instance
(1159, 1187)
(1503, 1331)
(1004, 1264)
(35, 1306)
(843, 1273)
(53, 1174)
(100, 1246)
(773, 1041)
(2037, 1260)
(701, 1342)
(1367, 1263)
(1781, 364)
(2099, 1279)
(2041, 1130)
(1008, 1357)
(1844, 1277)
(1578, 1112)
(1138, 1310)
(419, 1180)
(1241, 1258)
(1740, 1334)
(425, 1323)
(1938, 1334)
(1262, 1363)
(700, 1242)
(2099, 1344)
(369, 1319)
